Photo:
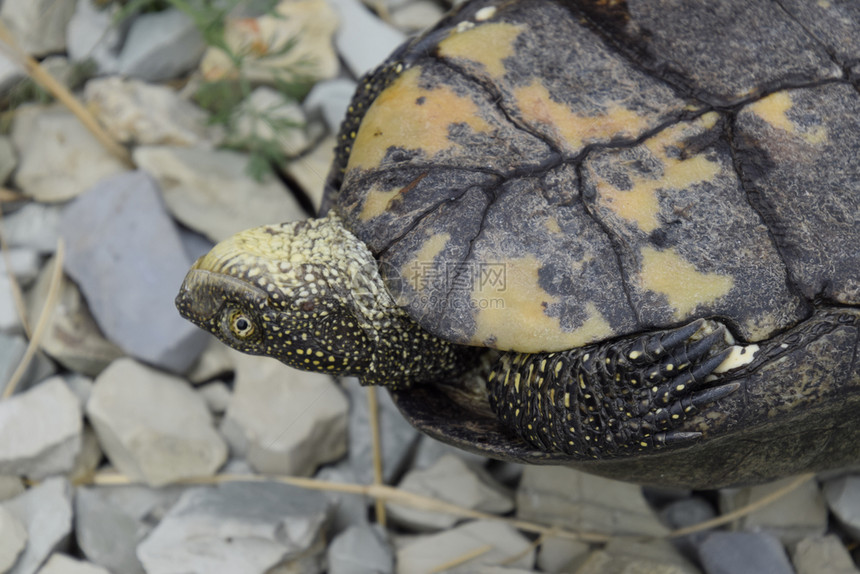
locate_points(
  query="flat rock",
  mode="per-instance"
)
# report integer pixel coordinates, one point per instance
(215, 360)
(285, 421)
(38, 26)
(309, 171)
(743, 553)
(348, 509)
(452, 480)
(818, 554)
(93, 34)
(396, 436)
(502, 543)
(360, 549)
(560, 554)
(843, 498)
(60, 158)
(138, 113)
(33, 226)
(330, 99)
(245, 527)
(62, 564)
(799, 514)
(308, 24)
(10, 320)
(42, 427)
(211, 192)
(8, 157)
(580, 501)
(13, 540)
(161, 46)
(655, 557)
(125, 254)
(72, 336)
(23, 263)
(12, 349)
(107, 534)
(217, 396)
(45, 511)
(363, 40)
(268, 115)
(153, 426)
(416, 16)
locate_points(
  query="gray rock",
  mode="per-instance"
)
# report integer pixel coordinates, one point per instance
(143, 503)
(12, 349)
(450, 479)
(23, 263)
(153, 426)
(331, 99)
(10, 487)
(743, 553)
(686, 512)
(107, 534)
(502, 542)
(268, 115)
(396, 436)
(88, 459)
(72, 336)
(430, 450)
(416, 16)
(363, 40)
(124, 253)
(211, 192)
(235, 527)
(60, 158)
(10, 319)
(360, 549)
(8, 157)
(561, 554)
(216, 360)
(93, 34)
(11, 72)
(348, 509)
(46, 512)
(309, 171)
(62, 564)
(33, 226)
(81, 386)
(843, 497)
(654, 557)
(574, 499)
(142, 114)
(161, 46)
(12, 541)
(797, 515)
(284, 421)
(818, 554)
(46, 423)
(217, 396)
(38, 26)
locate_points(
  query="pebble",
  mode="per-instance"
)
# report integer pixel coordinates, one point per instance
(330, 99)
(349, 509)
(360, 549)
(12, 349)
(11, 72)
(417, 16)
(363, 40)
(107, 534)
(797, 515)
(559, 555)
(10, 319)
(501, 543)
(567, 497)
(215, 360)
(161, 46)
(246, 527)
(93, 34)
(153, 426)
(33, 226)
(38, 26)
(138, 113)
(88, 459)
(686, 512)
(284, 421)
(124, 253)
(212, 193)
(71, 336)
(13, 539)
(8, 156)
(60, 158)
(10, 487)
(45, 510)
(450, 479)
(743, 553)
(310, 170)
(23, 263)
(217, 396)
(268, 115)
(822, 554)
(46, 424)
(843, 498)
(653, 557)
(62, 564)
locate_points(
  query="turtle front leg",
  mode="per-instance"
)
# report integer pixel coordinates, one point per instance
(612, 399)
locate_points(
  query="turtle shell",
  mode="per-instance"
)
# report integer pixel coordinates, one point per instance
(536, 175)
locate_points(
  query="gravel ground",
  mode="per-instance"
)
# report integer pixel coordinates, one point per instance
(120, 420)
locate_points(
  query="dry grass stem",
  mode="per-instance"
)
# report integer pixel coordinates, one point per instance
(462, 559)
(7, 194)
(373, 415)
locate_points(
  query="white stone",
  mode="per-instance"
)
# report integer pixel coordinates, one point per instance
(559, 554)
(42, 431)
(10, 319)
(217, 396)
(211, 192)
(23, 263)
(46, 512)
(360, 549)
(417, 16)
(12, 349)
(363, 40)
(38, 26)
(653, 557)
(285, 421)
(820, 554)
(331, 98)
(349, 509)
(62, 564)
(60, 158)
(10, 486)
(215, 360)
(143, 114)
(268, 115)
(88, 458)
(310, 24)
(11, 71)
(426, 553)
(450, 479)
(843, 498)
(33, 226)
(93, 34)
(573, 499)
(161, 46)
(13, 539)
(153, 426)
(311, 170)
(106, 533)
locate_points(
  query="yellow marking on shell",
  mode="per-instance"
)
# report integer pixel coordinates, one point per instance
(376, 202)
(684, 286)
(486, 44)
(519, 321)
(397, 119)
(640, 203)
(773, 109)
(572, 129)
(415, 270)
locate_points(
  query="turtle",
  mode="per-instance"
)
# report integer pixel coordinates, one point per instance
(618, 235)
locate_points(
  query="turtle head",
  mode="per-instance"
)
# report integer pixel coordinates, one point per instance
(309, 294)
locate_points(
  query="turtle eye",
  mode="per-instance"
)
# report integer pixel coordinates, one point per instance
(241, 325)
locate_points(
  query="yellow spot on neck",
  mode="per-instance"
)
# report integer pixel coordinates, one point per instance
(411, 117)
(684, 286)
(487, 44)
(773, 109)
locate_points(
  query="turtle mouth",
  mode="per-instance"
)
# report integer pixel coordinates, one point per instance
(204, 294)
